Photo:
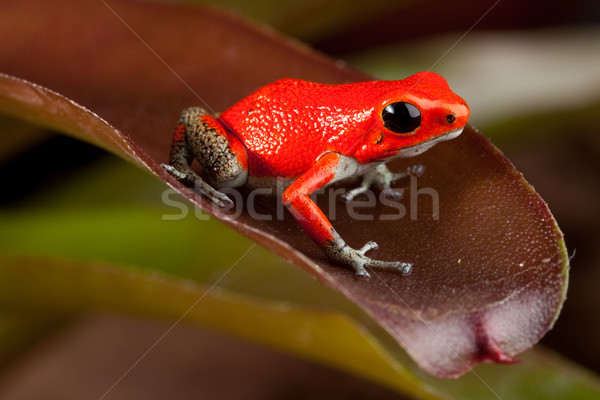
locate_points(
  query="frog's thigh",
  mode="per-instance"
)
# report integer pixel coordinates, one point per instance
(221, 154)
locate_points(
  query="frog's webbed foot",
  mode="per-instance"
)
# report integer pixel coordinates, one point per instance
(340, 252)
(187, 175)
(382, 178)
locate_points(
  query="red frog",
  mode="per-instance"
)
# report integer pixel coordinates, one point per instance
(310, 135)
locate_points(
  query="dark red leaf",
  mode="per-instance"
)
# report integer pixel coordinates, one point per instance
(489, 275)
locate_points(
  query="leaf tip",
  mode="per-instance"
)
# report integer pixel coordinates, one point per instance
(489, 350)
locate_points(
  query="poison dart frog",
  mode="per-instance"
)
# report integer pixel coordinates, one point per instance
(311, 135)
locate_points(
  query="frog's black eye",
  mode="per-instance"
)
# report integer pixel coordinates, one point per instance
(401, 117)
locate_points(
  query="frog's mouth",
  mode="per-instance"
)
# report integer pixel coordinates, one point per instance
(422, 147)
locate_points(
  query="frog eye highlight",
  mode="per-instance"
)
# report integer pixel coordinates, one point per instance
(401, 117)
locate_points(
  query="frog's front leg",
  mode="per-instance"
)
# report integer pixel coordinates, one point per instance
(221, 154)
(329, 168)
(382, 178)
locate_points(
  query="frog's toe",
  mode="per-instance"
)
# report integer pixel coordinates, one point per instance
(403, 267)
(219, 199)
(370, 245)
(349, 196)
(174, 171)
(222, 202)
(362, 273)
(416, 170)
(393, 194)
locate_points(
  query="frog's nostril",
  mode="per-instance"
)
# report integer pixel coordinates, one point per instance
(450, 118)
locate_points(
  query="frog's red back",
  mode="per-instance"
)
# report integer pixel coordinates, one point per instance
(287, 125)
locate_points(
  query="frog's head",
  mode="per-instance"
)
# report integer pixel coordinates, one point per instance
(415, 114)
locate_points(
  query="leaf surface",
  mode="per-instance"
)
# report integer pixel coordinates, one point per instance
(490, 267)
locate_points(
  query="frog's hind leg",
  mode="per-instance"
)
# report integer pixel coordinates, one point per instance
(221, 154)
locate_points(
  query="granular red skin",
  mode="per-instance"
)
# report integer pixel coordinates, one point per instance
(287, 125)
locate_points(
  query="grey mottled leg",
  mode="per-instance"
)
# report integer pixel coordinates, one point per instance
(199, 135)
